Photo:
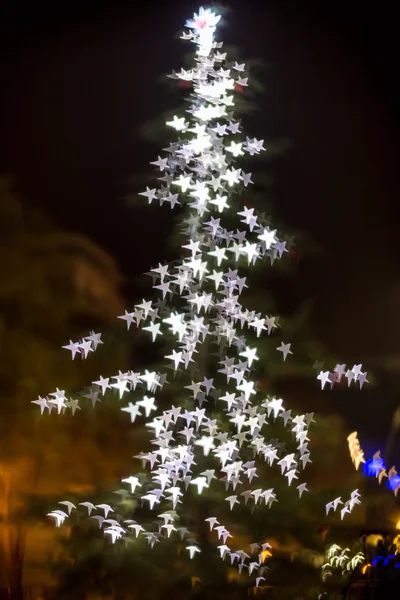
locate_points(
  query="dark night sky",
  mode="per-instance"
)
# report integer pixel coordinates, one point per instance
(77, 83)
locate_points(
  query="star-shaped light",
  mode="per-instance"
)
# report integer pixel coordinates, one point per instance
(285, 349)
(220, 202)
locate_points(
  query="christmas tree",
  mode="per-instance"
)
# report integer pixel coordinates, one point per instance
(216, 439)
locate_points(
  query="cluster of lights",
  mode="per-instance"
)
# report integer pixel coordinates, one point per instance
(339, 559)
(356, 454)
(199, 170)
(202, 167)
(335, 377)
(376, 467)
(347, 506)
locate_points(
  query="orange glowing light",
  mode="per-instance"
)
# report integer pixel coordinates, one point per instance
(365, 567)
(265, 554)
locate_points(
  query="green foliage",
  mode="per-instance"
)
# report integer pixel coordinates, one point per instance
(339, 567)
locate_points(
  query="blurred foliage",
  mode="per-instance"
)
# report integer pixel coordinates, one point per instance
(53, 284)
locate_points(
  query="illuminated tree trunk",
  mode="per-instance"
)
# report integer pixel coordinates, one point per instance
(13, 542)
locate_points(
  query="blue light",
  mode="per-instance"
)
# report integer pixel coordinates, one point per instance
(376, 560)
(374, 466)
(393, 482)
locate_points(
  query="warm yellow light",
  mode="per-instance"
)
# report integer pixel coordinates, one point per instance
(398, 524)
(364, 569)
(265, 554)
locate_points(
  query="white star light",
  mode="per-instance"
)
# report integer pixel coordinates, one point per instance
(285, 349)
(161, 163)
(220, 255)
(268, 237)
(133, 410)
(220, 202)
(177, 123)
(184, 182)
(201, 483)
(232, 176)
(235, 148)
(207, 443)
(149, 194)
(250, 354)
(150, 379)
(148, 404)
